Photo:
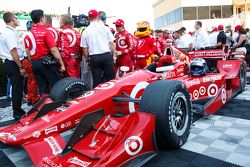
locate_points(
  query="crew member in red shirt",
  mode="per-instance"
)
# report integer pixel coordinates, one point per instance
(146, 45)
(39, 42)
(48, 24)
(69, 47)
(124, 46)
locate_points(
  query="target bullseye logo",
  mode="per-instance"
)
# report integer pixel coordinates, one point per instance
(134, 94)
(133, 145)
(202, 90)
(212, 90)
(223, 96)
(196, 94)
(105, 86)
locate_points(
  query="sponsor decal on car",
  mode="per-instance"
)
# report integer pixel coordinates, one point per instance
(212, 90)
(202, 90)
(133, 145)
(52, 129)
(227, 66)
(89, 93)
(77, 161)
(196, 94)
(77, 121)
(36, 134)
(56, 149)
(223, 95)
(170, 74)
(6, 135)
(50, 163)
(65, 125)
(46, 118)
(105, 86)
(192, 82)
(62, 108)
(139, 86)
(212, 78)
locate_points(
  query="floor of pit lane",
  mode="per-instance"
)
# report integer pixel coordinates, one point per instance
(218, 140)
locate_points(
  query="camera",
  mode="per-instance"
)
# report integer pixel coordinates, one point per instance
(80, 21)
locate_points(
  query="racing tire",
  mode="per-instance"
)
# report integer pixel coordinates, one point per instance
(67, 89)
(170, 102)
(242, 76)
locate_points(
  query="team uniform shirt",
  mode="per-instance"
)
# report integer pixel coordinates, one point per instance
(125, 42)
(96, 38)
(54, 32)
(69, 42)
(162, 44)
(213, 38)
(10, 39)
(201, 39)
(146, 46)
(222, 38)
(38, 41)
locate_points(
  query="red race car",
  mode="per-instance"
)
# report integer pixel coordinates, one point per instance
(119, 134)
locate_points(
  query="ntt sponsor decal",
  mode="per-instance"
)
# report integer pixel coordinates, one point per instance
(77, 161)
(56, 149)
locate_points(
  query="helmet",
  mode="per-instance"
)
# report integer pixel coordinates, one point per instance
(143, 29)
(198, 67)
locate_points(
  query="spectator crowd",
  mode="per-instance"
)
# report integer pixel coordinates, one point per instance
(45, 54)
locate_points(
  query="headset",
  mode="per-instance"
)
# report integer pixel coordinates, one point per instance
(104, 16)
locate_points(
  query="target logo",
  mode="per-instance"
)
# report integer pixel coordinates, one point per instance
(223, 96)
(105, 86)
(196, 94)
(135, 93)
(141, 43)
(133, 145)
(202, 90)
(121, 43)
(71, 36)
(212, 90)
(54, 33)
(30, 43)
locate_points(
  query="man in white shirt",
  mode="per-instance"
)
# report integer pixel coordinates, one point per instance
(201, 37)
(97, 41)
(181, 42)
(12, 53)
(213, 37)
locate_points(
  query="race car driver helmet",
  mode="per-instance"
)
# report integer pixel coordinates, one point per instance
(143, 29)
(198, 67)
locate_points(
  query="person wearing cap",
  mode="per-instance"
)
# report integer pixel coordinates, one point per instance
(241, 40)
(213, 37)
(97, 42)
(201, 40)
(69, 47)
(125, 45)
(221, 38)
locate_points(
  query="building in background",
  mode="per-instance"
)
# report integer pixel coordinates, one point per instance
(173, 14)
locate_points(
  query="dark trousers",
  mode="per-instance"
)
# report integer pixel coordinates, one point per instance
(102, 64)
(46, 75)
(16, 80)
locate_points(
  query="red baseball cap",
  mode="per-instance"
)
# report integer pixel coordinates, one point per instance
(215, 29)
(119, 22)
(93, 14)
(220, 27)
(237, 28)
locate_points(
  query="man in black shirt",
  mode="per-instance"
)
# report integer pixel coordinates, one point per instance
(221, 38)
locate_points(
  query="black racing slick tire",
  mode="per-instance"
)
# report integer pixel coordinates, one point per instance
(170, 102)
(67, 89)
(243, 77)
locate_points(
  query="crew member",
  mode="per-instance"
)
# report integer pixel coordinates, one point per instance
(146, 45)
(124, 46)
(39, 44)
(48, 24)
(12, 54)
(97, 41)
(221, 38)
(201, 37)
(69, 47)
